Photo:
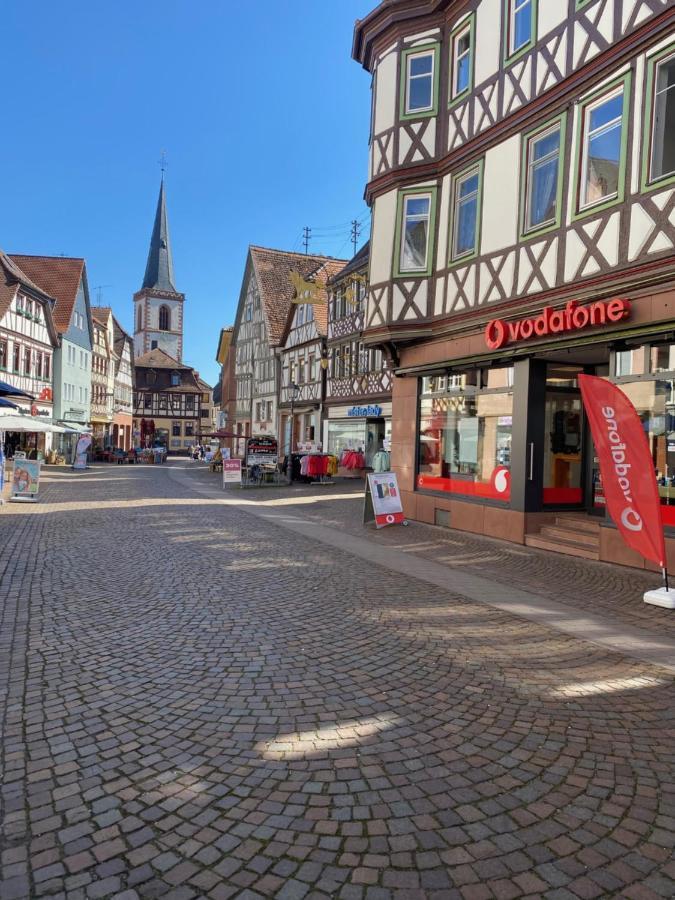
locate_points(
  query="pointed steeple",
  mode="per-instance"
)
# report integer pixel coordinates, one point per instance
(159, 268)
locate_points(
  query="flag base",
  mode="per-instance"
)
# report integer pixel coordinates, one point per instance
(661, 597)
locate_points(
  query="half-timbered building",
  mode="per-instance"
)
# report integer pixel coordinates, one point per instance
(262, 314)
(304, 360)
(102, 378)
(167, 402)
(358, 384)
(522, 185)
(28, 339)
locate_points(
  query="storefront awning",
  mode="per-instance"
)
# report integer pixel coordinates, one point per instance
(30, 424)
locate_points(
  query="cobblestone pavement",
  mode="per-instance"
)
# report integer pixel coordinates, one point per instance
(595, 586)
(199, 703)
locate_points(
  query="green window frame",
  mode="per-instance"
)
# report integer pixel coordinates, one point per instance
(621, 86)
(433, 49)
(476, 168)
(526, 163)
(429, 191)
(649, 183)
(511, 8)
(467, 25)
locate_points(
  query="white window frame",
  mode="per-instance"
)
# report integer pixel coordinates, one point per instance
(531, 141)
(586, 140)
(404, 218)
(514, 7)
(652, 177)
(464, 176)
(408, 78)
(456, 57)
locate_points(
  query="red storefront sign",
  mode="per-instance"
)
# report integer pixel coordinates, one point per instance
(572, 317)
(626, 467)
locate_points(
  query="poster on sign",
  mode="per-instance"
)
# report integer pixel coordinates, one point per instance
(26, 479)
(383, 500)
(83, 444)
(231, 472)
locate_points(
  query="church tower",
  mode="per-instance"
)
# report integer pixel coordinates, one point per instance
(158, 306)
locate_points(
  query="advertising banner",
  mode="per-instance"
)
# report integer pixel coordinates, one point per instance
(231, 471)
(386, 499)
(83, 444)
(26, 478)
(626, 467)
(261, 451)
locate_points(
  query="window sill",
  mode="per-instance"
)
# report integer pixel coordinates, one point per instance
(598, 207)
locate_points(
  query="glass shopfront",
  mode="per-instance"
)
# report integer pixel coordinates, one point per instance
(465, 427)
(646, 374)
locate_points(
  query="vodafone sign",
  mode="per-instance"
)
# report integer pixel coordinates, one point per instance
(572, 317)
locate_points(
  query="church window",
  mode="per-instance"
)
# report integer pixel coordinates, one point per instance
(164, 318)
(139, 318)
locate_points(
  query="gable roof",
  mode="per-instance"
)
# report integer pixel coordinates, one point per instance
(101, 314)
(12, 277)
(58, 276)
(321, 275)
(357, 262)
(158, 359)
(272, 271)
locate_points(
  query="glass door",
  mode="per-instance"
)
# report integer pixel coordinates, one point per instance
(564, 472)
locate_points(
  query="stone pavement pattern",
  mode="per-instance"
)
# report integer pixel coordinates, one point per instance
(201, 704)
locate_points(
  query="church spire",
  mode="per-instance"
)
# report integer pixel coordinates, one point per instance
(159, 268)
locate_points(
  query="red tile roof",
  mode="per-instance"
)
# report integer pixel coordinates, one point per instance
(158, 359)
(272, 270)
(58, 276)
(12, 276)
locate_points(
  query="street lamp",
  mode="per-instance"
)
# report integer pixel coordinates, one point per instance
(295, 390)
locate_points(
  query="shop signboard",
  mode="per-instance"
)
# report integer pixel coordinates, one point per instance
(83, 444)
(231, 471)
(358, 412)
(262, 451)
(383, 498)
(26, 479)
(572, 317)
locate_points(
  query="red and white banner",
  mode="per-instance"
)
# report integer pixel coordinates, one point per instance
(626, 467)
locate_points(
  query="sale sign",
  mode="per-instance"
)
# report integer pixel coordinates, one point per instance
(231, 471)
(626, 467)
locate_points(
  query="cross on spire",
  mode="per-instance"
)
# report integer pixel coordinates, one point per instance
(163, 163)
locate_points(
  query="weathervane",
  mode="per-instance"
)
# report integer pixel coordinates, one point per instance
(163, 163)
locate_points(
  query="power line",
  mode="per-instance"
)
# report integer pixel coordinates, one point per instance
(306, 234)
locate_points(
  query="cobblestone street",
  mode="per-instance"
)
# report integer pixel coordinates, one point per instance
(242, 711)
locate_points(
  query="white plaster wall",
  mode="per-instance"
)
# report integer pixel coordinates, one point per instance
(488, 22)
(500, 195)
(384, 225)
(550, 14)
(386, 93)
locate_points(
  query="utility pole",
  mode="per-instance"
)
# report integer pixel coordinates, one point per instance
(306, 234)
(356, 234)
(99, 292)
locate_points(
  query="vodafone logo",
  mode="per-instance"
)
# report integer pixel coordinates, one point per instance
(572, 317)
(390, 519)
(501, 479)
(630, 519)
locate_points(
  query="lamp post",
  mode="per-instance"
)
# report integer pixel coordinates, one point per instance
(295, 390)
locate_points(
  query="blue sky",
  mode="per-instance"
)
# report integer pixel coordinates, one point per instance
(261, 111)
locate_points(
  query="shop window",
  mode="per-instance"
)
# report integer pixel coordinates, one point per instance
(414, 226)
(464, 441)
(629, 362)
(662, 79)
(602, 127)
(461, 65)
(466, 204)
(419, 89)
(349, 435)
(543, 177)
(662, 358)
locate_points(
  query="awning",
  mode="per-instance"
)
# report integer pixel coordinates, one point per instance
(30, 424)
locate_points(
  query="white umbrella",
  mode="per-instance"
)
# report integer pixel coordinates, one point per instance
(26, 423)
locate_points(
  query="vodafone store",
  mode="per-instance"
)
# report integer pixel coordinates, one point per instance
(501, 445)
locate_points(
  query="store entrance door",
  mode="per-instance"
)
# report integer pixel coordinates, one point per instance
(566, 442)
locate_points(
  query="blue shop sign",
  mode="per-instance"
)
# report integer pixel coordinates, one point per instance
(358, 411)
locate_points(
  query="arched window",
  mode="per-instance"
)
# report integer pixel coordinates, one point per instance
(139, 318)
(164, 318)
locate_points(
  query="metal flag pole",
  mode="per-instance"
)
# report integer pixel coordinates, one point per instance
(665, 577)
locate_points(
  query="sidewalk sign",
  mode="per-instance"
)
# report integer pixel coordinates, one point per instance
(83, 444)
(261, 451)
(25, 480)
(231, 472)
(628, 478)
(382, 502)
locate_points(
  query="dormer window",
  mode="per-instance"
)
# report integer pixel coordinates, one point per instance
(175, 379)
